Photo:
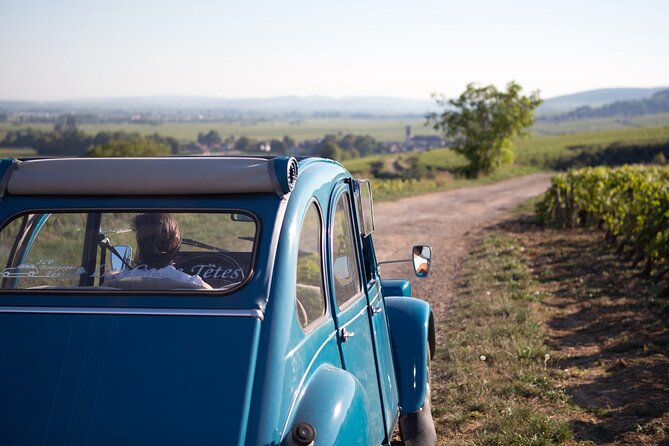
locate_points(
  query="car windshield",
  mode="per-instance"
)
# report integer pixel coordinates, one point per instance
(138, 251)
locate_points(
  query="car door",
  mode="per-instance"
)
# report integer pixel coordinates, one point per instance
(361, 190)
(351, 307)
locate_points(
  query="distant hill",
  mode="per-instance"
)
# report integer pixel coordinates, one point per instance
(305, 106)
(595, 98)
(657, 103)
(302, 105)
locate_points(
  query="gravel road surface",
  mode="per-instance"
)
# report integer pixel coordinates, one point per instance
(448, 221)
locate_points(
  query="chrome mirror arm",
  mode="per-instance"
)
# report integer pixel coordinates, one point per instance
(422, 255)
(383, 262)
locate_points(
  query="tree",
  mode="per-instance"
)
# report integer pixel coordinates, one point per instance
(230, 141)
(172, 142)
(65, 123)
(358, 145)
(70, 142)
(289, 143)
(331, 150)
(244, 144)
(483, 122)
(278, 147)
(211, 139)
(131, 147)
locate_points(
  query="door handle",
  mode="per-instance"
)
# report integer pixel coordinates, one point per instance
(376, 309)
(345, 334)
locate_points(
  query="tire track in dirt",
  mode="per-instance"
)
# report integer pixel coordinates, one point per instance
(448, 221)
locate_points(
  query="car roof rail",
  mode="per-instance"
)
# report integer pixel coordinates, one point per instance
(150, 176)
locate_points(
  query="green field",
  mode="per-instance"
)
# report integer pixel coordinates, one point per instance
(391, 129)
(410, 173)
(380, 129)
(17, 153)
(536, 151)
(600, 124)
(542, 150)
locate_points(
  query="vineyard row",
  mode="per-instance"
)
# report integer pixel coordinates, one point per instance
(631, 203)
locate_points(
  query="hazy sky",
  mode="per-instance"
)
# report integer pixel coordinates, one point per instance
(258, 48)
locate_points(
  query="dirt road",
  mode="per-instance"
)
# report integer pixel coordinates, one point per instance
(449, 222)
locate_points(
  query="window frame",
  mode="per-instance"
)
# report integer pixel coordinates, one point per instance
(92, 290)
(365, 216)
(310, 327)
(339, 192)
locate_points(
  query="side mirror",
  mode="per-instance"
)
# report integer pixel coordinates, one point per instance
(241, 217)
(121, 257)
(421, 260)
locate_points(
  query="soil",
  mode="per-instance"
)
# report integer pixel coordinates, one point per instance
(608, 334)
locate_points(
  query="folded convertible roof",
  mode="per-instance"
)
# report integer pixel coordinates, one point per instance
(148, 176)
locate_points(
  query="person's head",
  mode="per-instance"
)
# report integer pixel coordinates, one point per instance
(158, 239)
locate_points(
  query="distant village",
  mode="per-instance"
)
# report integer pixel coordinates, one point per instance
(411, 142)
(211, 143)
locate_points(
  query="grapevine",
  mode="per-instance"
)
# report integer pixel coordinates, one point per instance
(630, 203)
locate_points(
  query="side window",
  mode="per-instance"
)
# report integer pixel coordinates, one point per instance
(310, 296)
(345, 268)
(55, 255)
(162, 250)
(365, 209)
(8, 237)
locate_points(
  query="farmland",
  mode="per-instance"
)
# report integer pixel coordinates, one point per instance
(599, 124)
(544, 150)
(16, 153)
(630, 202)
(537, 151)
(411, 173)
(381, 129)
(419, 172)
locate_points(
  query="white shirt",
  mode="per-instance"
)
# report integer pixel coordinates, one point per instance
(167, 272)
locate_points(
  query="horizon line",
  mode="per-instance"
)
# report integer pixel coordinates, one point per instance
(286, 96)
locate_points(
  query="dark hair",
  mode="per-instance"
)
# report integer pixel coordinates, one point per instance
(158, 239)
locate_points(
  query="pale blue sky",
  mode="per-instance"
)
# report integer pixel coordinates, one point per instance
(88, 48)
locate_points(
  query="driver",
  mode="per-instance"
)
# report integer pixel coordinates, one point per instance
(158, 241)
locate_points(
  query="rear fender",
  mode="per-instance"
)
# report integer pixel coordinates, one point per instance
(412, 333)
(333, 403)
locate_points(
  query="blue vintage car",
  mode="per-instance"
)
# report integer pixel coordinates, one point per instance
(264, 321)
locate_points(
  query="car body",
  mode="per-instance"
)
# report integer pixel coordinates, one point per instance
(295, 340)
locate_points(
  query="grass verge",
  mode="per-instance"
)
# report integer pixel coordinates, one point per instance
(492, 385)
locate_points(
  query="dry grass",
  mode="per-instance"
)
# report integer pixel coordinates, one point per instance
(492, 383)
